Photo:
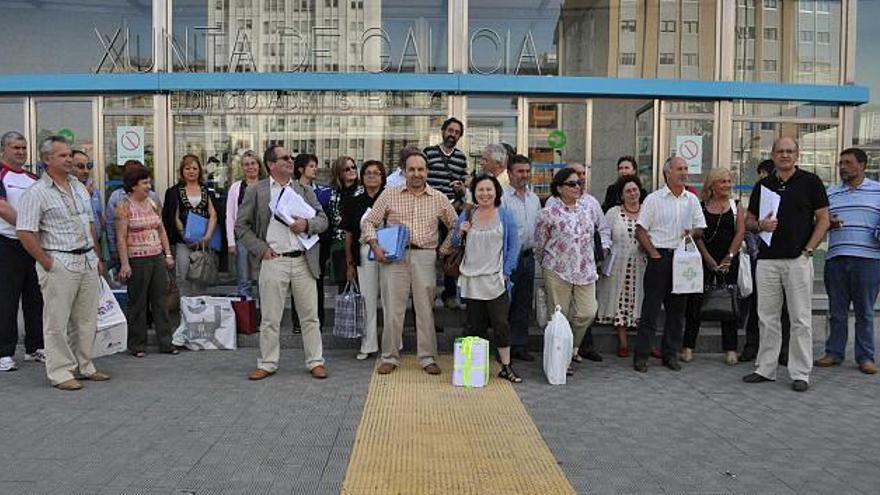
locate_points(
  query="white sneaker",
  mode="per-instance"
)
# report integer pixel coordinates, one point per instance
(7, 364)
(39, 356)
(362, 356)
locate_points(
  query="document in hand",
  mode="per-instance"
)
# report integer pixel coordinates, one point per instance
(393, 240)
(196, 226)
(769, 204)
(290, 205)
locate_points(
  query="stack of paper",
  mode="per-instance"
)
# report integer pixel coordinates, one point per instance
(289, 206)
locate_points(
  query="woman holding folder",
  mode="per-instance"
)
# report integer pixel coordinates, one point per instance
(189, 195)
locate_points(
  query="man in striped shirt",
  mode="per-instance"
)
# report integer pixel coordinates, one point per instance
(56, 226)
(852, 264)
(447, 171)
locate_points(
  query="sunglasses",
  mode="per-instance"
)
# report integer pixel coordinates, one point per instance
(572, 183)
(85, 166)
(350, 169)
(284, 157)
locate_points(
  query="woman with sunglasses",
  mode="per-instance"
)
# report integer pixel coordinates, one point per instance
(344, 182)
(359, 266)
(564, 249)
(305, 170)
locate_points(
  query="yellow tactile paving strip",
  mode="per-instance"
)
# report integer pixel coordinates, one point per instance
(421, 435)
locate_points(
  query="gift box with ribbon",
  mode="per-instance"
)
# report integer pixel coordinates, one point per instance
(471, 362)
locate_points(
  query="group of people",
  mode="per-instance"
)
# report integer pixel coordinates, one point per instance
(610, 263)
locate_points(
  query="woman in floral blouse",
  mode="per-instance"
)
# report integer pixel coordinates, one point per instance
(564, 240)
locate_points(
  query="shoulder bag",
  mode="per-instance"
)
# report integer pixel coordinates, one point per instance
(452, 263)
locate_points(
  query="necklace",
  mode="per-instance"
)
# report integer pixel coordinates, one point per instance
(630, 211)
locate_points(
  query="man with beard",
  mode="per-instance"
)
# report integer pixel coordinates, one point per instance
(447, 170)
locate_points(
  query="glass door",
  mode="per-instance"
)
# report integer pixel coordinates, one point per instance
(557, 133)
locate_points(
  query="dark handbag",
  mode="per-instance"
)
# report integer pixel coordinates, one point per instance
(452, 263)
(720, 301)
(245, 316)
(172, 301)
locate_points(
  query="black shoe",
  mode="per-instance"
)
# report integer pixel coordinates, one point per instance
(747, 357)
(756, 378)
(672, 364)
(591, 355)
(800, 386)
(640, 365)
(569, 371)
(783, 360)
(297, 330)
(521, 354)
(508, 374)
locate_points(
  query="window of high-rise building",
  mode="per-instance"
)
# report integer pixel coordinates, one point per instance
(667, 58)
(691, 27)
(690, 59)
(770, 33)
(770, 4)
(667, 26)
(806, 36)
(627, 59)
(769, 65)
(628, 25)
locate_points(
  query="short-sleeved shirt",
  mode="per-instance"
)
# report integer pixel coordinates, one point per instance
(13, 183)
(666, 216)
(859, 210)
(800, 196)
(420, 212)
(63, 221)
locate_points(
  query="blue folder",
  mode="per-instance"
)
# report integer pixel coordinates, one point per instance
(196, 226)
(394, 240)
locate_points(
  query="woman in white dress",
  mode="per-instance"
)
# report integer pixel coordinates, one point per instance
(621, 292)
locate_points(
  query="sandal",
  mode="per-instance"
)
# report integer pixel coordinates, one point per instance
(172, 351)
(577, 358)
(508, 374)
(623, 351)
(138, 354)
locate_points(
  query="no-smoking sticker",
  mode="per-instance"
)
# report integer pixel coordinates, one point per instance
(129, 144)
(691, 149)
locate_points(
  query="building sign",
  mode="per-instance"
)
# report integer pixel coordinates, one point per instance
(312, 102)
(129, 144)
(691, 149)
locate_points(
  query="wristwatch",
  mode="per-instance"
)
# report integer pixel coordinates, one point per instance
(808, 253)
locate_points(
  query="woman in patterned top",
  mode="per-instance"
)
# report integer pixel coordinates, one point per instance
(564, 249)
(189, 195)
(145, 258)
(621, 292)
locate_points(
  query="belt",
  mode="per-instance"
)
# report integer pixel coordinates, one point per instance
(72, 251)
(416, 248)
(292, 254)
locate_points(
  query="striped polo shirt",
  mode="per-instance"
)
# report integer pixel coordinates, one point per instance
(443, 169)
(859, 210)
(13, 183)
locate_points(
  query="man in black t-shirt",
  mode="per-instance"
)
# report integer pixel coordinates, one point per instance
(785, 265)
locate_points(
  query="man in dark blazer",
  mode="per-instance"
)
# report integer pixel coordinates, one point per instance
(284, 265)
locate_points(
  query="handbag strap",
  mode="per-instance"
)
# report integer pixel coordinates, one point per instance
(469, 217)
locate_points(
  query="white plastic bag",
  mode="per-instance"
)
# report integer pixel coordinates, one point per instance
(112, 334)
(558, 344)
(687, 268)
(205, 323)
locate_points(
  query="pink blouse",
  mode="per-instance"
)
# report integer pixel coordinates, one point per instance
(143, 230)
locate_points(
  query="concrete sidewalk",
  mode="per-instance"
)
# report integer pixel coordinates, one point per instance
(193, 424)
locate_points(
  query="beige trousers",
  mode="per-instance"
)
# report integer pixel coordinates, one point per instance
(279, 278)
(70, 320)
(414, 273)
(368, 280)
(578, 303)
(793, 280)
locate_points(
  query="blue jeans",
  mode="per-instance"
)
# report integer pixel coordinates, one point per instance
(245, 284)
(850, 279)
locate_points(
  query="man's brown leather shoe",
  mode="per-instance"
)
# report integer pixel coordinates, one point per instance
(868, 367)
(432, 369)
(71, 384)
(98, 376)
(259, 374)
(385, 368)
(826, 361)
(319, 372)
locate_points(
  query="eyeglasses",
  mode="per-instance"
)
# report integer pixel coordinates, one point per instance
(785, 152)
(84, 166)
(283, 157)
(572, 183)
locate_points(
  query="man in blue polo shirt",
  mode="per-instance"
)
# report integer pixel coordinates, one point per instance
(852, 265)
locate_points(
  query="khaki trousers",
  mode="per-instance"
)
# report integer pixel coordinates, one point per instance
(368, 280)
(578, 303)
(279, 278)
(788, 281)
(70, 320)
(414, 273)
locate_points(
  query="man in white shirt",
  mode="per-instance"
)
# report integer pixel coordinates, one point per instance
(525, 206)
(285, 266)
(668, 214)
(17, 267)
(493, 161)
